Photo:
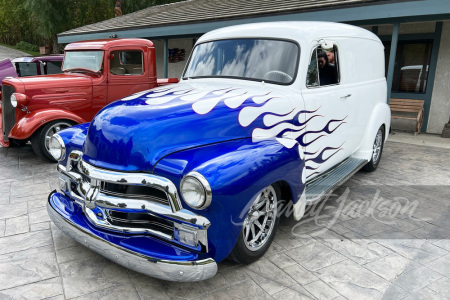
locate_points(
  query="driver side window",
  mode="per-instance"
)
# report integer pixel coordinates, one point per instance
(127, 63)
(323, 68)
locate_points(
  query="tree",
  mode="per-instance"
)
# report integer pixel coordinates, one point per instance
(51, 16)
(129, 6)
(16, 24)
(36, 21)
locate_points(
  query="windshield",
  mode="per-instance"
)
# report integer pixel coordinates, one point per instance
(254, 59)
(91, 60)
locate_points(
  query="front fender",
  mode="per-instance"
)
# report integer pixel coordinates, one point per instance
(33, 121)
(237, 171)
(74, 138)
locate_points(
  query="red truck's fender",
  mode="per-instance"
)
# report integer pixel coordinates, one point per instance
(33, 121)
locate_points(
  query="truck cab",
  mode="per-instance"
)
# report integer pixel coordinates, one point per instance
(95, 73)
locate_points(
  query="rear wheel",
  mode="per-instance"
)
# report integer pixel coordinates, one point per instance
(259, 227)
(378, 144)
(41, 138)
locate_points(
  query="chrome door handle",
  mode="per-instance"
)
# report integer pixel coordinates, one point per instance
(346, 96)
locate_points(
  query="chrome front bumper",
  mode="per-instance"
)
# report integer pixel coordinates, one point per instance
(173, 270)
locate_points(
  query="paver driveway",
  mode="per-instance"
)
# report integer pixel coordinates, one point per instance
(388, 238)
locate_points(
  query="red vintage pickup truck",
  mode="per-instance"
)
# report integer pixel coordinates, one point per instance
(95, 73)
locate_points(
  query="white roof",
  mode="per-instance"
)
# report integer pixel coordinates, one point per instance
(298, 31)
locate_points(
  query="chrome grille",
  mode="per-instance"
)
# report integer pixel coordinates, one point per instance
(132, 203)
(134, 192)
(8, 111)
(140, 220)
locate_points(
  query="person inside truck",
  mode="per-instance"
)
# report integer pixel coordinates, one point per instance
(327, 72)
(330, 55)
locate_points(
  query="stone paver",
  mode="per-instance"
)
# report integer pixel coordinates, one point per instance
(388, 239)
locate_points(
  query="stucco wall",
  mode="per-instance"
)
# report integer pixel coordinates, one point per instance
(174, 69)
(440, 100)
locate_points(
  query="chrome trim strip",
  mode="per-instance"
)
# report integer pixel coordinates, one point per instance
(186, 271)
(104, 224)
(183, 215)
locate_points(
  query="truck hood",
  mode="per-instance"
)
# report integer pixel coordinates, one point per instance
(51, 83)
(134, 133)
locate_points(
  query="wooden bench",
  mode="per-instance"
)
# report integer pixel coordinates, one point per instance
(408, 106)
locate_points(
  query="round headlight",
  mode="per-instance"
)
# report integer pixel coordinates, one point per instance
(56, 147)
(196, 190)
(13, 100)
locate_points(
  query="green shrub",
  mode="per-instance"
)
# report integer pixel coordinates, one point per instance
(27, 46)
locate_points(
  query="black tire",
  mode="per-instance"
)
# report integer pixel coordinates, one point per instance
(243, 252)
(18, 143)
(372, 165)
(38, 139)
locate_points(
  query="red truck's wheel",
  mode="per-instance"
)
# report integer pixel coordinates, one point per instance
(41, 138)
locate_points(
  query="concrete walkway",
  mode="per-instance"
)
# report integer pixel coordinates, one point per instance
(6, 52)
(423, 139)
(384, 235)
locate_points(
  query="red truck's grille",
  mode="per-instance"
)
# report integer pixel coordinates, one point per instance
(8, 111)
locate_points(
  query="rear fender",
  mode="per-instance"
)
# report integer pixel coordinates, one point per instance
(380, 115)
(26, 126)
(237, 171)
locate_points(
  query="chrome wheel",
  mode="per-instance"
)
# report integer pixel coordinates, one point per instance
(377, 145)
(56, 127)
(260, 220)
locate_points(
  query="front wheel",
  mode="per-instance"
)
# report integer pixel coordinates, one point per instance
(259, 227)
(41, 138)
(378, 144)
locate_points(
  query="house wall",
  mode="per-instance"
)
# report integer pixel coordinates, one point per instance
(174, 69)
(440, 100)
(438, 113)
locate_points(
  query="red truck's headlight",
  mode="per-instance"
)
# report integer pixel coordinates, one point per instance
(19, 99)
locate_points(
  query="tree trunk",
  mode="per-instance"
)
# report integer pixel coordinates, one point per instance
(55, 46)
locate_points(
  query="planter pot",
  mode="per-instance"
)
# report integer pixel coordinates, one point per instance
(44, 50)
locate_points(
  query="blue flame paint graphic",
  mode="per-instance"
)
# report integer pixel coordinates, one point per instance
(208, 100)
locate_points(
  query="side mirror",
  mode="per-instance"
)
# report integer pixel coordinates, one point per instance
(326, 45)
